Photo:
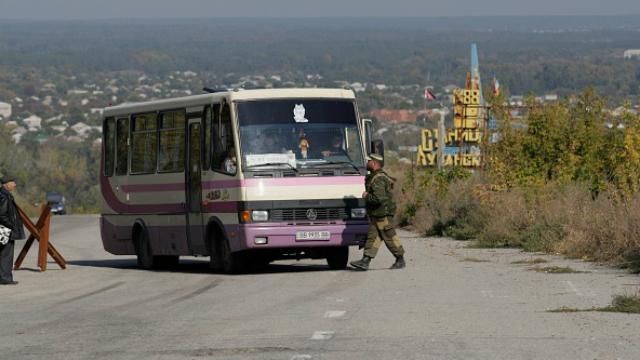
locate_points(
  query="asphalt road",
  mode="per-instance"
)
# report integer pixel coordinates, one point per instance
(446, 305)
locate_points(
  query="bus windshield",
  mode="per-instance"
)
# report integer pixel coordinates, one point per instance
(299, 133)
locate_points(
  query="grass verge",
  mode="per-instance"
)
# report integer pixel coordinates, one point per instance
(628, 304)
(530, 262)
(476, 260)
(557, 270)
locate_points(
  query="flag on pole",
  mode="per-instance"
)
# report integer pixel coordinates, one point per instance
(496, 87)
(429, 95)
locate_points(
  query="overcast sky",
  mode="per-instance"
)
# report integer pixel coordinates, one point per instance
(101, 9)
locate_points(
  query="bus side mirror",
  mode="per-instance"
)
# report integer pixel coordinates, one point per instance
(366, 134)
(377, 147)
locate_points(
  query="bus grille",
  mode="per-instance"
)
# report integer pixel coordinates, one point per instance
(301, 214)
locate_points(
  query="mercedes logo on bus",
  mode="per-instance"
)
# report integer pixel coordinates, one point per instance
(312, 214)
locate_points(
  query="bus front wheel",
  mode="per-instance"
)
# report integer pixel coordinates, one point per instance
(232, 263)
(338, 258)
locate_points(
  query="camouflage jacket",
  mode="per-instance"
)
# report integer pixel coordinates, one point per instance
(379, 200)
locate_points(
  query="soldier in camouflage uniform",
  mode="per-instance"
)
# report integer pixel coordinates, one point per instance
(381, 208)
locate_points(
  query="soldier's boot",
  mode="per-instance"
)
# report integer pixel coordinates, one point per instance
(362, 264)
(399, 264)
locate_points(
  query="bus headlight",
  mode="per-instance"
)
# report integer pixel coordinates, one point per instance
(358, 213)
(259, 215)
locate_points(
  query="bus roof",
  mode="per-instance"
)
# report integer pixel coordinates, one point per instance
(232, 95)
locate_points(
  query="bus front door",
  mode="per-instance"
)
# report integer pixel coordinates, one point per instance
(195, 233)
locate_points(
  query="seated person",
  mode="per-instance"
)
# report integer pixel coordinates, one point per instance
(336, 147)
(230, 162)
(269, 145)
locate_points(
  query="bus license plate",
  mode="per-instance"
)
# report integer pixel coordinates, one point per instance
(313, 235)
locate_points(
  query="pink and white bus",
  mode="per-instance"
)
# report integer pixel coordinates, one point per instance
(244, 177)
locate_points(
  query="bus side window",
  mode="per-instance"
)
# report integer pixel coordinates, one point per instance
(144, 138)
(172, 141)
(215, 130)
(108, 143)
(122, 146)
(207, 129)
(224, 152)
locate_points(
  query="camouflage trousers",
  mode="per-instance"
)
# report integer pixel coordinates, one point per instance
(382, 229)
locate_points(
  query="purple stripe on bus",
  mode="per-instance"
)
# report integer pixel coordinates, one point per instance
(122, 208)
(110, 198)
(153, 187)
(221, 207)
(235, 183)
(221, 184)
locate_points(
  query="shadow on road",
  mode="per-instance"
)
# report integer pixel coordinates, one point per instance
(199, 267)
(116, 264)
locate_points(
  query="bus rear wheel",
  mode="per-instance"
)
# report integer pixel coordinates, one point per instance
(143, 251)
(337, 258)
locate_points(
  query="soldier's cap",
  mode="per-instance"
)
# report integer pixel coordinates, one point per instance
(375, 157)
(7, 179)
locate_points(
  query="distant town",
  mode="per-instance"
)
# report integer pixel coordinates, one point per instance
(71, 108)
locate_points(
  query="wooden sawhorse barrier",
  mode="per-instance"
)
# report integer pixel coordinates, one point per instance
(39, 231)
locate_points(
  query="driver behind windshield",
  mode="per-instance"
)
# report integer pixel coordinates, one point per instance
(336, 147)
(266, 143)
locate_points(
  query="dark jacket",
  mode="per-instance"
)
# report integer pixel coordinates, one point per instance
(379, 200)
(9, 215)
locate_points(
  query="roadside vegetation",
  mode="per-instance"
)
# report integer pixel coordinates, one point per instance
(629, 304)
(64, 167)
(475, 260)
(557, 270)
(567, 182)
(529, 262)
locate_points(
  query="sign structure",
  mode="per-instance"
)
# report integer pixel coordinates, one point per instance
(462, 148)
(461, 145)
(467, 109)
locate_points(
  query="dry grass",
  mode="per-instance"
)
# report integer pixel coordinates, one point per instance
(530, 262)
(562, 219)
(628, 304)
(606, 230)
(475, 260)
(557, 270)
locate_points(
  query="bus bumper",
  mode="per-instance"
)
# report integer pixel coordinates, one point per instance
(269, 235)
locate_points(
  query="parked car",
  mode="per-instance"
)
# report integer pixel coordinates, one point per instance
(56, 202)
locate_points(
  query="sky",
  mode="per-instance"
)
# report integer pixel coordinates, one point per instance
(114, 9)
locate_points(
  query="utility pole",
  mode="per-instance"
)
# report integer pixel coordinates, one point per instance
(441, 139)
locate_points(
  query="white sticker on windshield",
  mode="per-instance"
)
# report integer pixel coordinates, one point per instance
(272, 159)
(298, 113)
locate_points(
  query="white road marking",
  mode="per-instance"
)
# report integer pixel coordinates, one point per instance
(339, 300)
(334, 314)
(301, 357)
(322, 335)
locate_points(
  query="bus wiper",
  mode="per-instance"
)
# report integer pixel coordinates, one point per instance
(341, 163)
(275, 163)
